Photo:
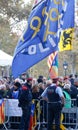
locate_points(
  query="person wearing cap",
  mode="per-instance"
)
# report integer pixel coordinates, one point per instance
(25, 100)
(29, 83)
(55, 99)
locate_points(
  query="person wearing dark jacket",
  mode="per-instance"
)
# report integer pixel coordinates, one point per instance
(76, 86)
(35, 92)
(54, 96)
(14, 93)
(29, 83)
(25, 100)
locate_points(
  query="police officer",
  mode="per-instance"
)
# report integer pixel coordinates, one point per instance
(54, 95)
(29, 83)
(25, 103)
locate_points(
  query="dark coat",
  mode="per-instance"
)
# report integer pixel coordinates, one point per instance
(73, 92)
(25, 97)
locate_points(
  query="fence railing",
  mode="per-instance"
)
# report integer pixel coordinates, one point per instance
(12, 114)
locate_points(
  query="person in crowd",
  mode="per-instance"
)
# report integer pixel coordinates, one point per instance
(29, 83)
(67, 95)
(61, 82)
(35, 97)
(68, 104)
(15, 91)
(43, 104)
(35, 92)
(54, 95)
(44, 81)
(23, 77)
(48, 82)
(3, 89)
(34, 81)
(7, 79)
(71, 79)
(25, 100)
(76, 82)
(74, 90)
(76, 76)
(76, 86)
(7, 90)
(66, 80)
(41, 88)
(40, 79)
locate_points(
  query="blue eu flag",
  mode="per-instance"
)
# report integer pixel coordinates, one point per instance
(40, 37)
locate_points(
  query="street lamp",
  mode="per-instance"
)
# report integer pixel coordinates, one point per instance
(65, 66)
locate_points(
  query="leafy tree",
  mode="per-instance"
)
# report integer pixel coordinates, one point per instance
(15, 9)
(12, 12)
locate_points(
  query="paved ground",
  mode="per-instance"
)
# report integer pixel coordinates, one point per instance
(16, 128)
(41, 129)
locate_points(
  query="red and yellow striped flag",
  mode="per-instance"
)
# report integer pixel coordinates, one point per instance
(2, 115)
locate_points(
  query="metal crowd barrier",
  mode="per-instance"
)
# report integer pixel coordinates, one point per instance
(13, 114)
(69, 116)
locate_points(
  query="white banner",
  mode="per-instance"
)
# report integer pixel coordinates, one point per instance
(12, 109)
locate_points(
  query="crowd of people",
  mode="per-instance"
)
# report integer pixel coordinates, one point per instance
(52, 90)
